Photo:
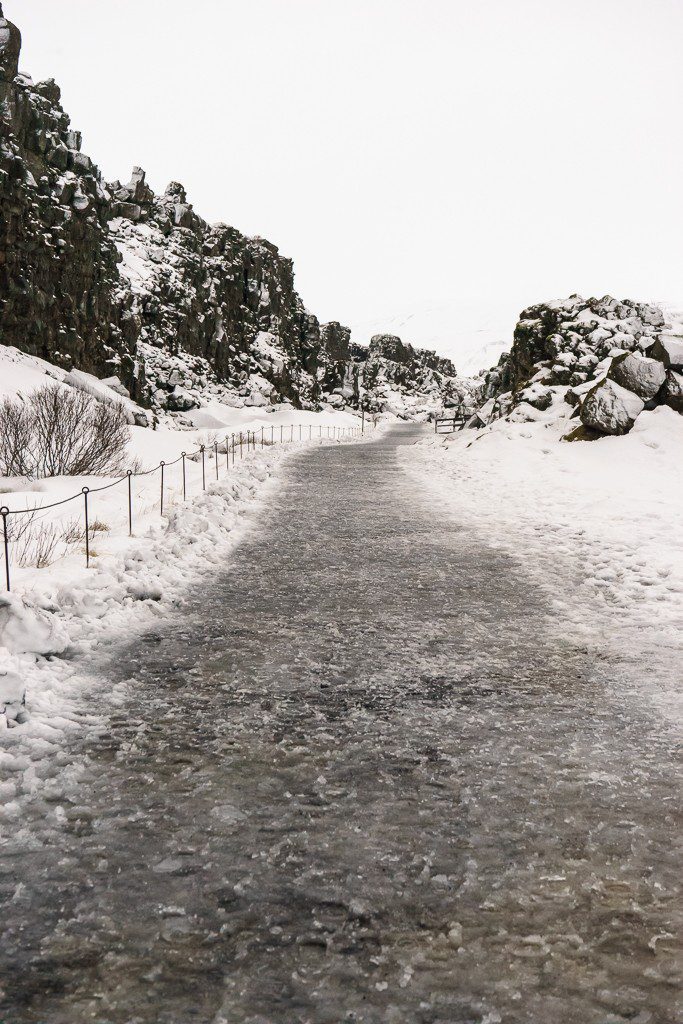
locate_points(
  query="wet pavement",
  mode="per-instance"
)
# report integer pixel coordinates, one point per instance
(358, 777)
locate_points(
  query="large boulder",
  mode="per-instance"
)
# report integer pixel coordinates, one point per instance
(610, 408)
(668, 348)
(389, 346)
(537, 395)
(181, 401)
(643, 376)
(672, 392)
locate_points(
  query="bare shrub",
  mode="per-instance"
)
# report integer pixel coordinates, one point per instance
(60, 432)
(36, 544)
(207, 438)
(18, 525)
(15, 438)
(73, 531)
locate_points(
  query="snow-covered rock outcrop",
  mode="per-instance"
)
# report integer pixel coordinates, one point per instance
(607, 359)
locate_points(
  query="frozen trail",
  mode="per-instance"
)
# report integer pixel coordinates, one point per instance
(362, 778)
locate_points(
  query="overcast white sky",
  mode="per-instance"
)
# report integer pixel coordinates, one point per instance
(431, 163)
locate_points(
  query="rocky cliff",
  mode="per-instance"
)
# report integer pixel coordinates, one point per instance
(58, 263)
(115, 280)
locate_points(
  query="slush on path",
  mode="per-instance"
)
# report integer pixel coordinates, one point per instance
(360, 777)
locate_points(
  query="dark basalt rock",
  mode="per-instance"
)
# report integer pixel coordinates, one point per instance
(388, 346)
(669, 351)
(336, 340)
(58, 265)
(641, 375)
(610, 409)
(672, 392)
(10, 48)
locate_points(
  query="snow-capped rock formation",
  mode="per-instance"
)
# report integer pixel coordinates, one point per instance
(118, 281)
(608, 359)
(409, 381)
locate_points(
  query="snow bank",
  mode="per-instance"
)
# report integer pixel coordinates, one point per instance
(597, 524)
(66, 608)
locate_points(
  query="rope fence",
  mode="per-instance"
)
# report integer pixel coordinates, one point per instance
(230, 446)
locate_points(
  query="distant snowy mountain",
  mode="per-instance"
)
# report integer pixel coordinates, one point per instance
(473, 334)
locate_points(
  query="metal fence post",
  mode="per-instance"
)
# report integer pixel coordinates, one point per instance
(227, 453)
(184, 484)
(129, 474)
(215, 448)
(84, 492)
(262, 437)
(162, 464)
(233, 449)
(291, 432)
(310, 431)
(281, 429)
(240, 444)
(4, 512)
(203, 451)
(299, 431)
(272, 434)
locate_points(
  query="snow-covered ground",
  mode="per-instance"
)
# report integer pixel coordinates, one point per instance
(64, 608)
(598, 524)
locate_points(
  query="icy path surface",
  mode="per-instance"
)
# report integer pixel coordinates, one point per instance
(361, 777)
